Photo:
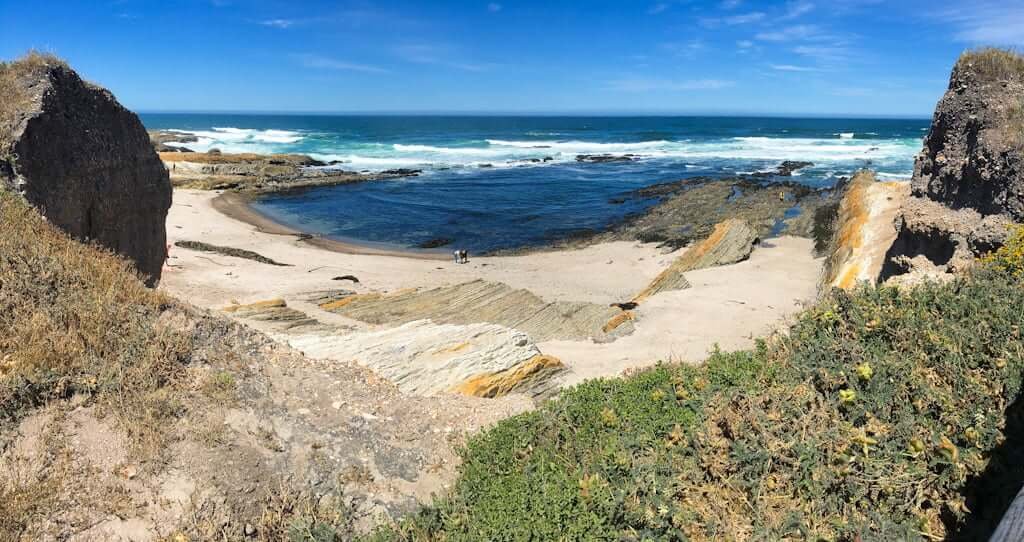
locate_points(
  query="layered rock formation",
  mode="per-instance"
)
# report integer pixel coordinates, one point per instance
(259, 173)
(419, 357)
(731, 241)
(423, 358)
(484, 301)
(86, 162)
(968, 184)
(864, 230)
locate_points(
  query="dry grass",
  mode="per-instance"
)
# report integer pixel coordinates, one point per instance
(277, 513)
(992, 64)
(14, 98)
(77, 320)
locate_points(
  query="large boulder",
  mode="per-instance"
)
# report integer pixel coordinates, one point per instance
(71, 150)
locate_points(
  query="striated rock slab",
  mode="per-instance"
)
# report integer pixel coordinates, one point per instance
(864, 230)
(731, 241)
(72, 151)
(483, 301)
(274, 311)
(424, 358)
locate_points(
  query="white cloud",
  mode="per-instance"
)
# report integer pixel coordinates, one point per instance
(987, 22)
(745, 18)
(686, 49)
(730, 4)
(657, 8)
(795, 9)
(327, 63)
(744, 44)
(494, 7)
(640, 84)
(792, 33)
(439, 55)
(792, 68)
(279, 23)
(836, 52)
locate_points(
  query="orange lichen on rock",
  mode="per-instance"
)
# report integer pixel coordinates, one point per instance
(267, 304)
(618, 320)
(864, 230)
(455, 348)
(513, 379)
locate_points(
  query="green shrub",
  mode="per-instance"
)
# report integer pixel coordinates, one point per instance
(1010, 257)
(881, 415)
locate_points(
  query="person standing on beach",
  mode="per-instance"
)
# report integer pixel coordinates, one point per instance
(458, 256)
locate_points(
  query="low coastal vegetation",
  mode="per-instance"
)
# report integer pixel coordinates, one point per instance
(993, 64)
(82, 330)
(881, 414)
(15, 98)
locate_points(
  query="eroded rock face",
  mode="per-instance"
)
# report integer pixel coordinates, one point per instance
(968, 184)
(972, 157)
(85, 162)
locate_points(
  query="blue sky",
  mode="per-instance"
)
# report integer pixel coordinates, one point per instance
(850, 57)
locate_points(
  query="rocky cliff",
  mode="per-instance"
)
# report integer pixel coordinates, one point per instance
(973, 155)
(968, 183)
(70, 149)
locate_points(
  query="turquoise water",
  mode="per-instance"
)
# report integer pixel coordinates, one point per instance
(503, 182)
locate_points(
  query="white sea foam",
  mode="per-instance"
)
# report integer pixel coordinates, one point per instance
(581, 147)
(229, 139)
(842, 153)
(894, 176)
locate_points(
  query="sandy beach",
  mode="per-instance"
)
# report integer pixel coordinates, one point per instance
(726, 306)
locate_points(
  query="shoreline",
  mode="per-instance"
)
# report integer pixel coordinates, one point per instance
(238, 206)
(726, 305)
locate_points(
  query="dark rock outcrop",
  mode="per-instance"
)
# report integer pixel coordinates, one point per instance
(605, 158)
(973, 155)
(71, 150)
(968, 184)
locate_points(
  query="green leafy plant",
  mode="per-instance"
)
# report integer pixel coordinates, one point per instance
(881, 415)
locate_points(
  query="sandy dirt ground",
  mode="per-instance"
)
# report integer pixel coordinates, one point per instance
(727, 306)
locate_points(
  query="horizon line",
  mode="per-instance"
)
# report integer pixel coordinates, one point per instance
(457, 113)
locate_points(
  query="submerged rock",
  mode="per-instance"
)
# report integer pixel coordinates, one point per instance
(605, 158)
(72, 151)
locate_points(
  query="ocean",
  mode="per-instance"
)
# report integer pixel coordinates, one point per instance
(491, 183)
